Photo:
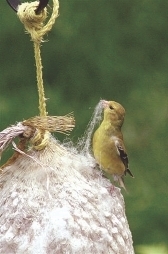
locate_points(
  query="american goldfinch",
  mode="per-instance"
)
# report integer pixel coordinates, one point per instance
(108, 146)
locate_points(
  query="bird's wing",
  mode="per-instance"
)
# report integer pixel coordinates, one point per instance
(123, 155)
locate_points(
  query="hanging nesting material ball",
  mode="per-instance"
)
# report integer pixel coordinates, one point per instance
(56, 201)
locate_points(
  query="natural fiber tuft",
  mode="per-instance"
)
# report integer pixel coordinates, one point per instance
(62, 124)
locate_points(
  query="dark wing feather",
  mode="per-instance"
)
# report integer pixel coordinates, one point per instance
(124, 159)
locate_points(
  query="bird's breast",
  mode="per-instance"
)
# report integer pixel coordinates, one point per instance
(106, 153)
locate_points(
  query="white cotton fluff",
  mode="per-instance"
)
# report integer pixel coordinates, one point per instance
(58, 202)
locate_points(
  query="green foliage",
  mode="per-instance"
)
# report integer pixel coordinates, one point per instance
(152, 249)
(115, 50)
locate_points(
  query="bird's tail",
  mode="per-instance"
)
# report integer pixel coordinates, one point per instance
(129, 172)
(121, 183)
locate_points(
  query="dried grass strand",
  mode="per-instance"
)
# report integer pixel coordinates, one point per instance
(61, 124)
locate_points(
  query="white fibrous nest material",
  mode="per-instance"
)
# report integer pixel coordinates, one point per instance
(56, 201)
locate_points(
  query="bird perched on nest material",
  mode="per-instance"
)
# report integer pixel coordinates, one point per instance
(108, 146)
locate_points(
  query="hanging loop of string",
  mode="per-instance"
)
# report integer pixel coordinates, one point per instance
(36, 27)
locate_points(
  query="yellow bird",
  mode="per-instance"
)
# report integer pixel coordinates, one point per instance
(108, 146)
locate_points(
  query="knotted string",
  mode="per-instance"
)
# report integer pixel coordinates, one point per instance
(36, 27)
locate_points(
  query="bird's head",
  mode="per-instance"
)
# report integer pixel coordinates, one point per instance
(113, 112)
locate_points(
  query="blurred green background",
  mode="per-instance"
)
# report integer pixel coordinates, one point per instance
(114, 50)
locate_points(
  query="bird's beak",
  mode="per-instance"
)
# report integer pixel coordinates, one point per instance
(104, 103)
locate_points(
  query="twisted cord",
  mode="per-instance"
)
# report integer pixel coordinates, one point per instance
(39, 76)
(34, 25)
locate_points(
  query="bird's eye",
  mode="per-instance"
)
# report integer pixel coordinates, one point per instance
(111, 107)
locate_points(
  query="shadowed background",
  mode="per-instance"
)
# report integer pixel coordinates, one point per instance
(114, 50)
